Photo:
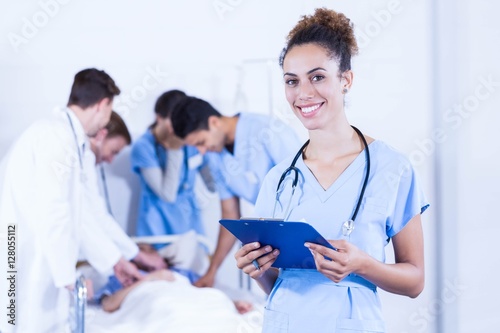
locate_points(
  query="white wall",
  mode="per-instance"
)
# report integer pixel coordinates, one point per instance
(478, 164)
(225, 51)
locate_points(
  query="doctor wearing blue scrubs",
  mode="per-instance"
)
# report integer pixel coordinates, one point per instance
(242, 149)
(358, 192)
(167, 169)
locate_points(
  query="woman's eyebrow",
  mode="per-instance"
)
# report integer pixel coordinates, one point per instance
(309, 72)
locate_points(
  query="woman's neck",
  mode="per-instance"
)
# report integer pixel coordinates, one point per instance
(333, 142)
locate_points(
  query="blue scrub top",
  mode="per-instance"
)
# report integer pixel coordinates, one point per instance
(158, 217)
(260, 143)
(392, 198)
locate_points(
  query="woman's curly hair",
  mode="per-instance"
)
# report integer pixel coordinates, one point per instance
(329, 29)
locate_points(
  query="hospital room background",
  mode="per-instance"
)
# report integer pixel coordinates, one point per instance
(427, 81)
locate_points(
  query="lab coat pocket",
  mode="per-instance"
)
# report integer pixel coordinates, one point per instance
(275, 322)
(359, 326)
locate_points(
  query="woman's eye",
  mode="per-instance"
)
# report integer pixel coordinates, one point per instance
(317, 78)
(291, 82)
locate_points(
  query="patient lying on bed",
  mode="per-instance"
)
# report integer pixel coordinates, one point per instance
(164, 301)
(111, 296)
(113, 293)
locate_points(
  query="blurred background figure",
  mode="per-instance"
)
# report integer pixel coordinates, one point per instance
(167, 171)
(106, 144)
(45, 192)
(241, 150)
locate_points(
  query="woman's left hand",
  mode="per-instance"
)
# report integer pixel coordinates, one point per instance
(346, 260)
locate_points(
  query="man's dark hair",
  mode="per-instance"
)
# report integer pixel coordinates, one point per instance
(90, 87)
(191, 115)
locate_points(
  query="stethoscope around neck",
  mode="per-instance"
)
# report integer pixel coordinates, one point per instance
(348, 226)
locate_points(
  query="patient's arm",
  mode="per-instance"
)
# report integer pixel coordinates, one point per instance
(113, 302)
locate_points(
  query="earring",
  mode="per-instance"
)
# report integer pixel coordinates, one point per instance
(344, 91)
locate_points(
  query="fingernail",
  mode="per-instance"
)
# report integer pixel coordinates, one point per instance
(255, 245)
(308, 245)
(276, 252)
(268, 248)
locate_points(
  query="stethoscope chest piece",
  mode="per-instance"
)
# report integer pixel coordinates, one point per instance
(347, 228)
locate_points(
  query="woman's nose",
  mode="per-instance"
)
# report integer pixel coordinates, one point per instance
(306, 90)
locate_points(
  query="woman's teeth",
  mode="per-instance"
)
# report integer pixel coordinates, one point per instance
(310, 109)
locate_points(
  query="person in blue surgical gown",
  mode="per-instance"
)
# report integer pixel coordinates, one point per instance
(241, 150)
(358, 192)
(167, 171)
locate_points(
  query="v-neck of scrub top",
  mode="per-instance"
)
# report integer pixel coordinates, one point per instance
(348, 173)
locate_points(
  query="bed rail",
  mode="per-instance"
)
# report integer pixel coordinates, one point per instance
(171, 238)
(79, 304)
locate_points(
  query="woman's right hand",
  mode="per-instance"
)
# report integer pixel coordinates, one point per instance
(255, 260)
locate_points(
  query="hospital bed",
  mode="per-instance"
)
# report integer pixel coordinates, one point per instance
(90, 318)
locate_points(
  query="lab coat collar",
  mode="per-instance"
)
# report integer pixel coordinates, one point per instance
(81, 137)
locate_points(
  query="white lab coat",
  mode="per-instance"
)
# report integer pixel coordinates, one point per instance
(104, 219)
(43, 192)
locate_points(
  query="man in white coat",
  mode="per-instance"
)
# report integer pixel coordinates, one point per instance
(43, 197)
(108, 143)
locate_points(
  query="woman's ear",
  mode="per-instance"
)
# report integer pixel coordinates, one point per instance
(346, 81)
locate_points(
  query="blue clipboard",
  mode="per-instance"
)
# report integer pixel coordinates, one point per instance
(289, 237)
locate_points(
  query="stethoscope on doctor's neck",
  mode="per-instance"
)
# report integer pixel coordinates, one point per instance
(83, 178)
(347, 226)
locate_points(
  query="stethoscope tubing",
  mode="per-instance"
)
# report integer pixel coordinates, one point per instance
(295, 170)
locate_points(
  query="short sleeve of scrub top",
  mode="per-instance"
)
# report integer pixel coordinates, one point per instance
(214, 161)
(143, 154)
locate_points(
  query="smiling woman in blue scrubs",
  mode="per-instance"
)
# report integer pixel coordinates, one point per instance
(341, 294)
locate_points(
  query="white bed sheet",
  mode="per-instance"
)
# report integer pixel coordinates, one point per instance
(174, 307)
